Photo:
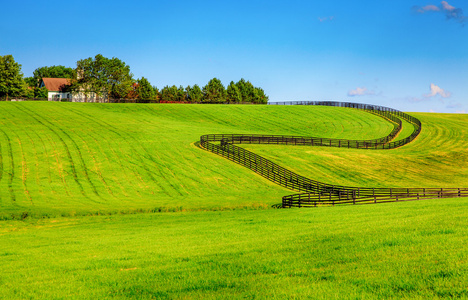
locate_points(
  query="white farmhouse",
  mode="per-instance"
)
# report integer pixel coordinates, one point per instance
(57, 88)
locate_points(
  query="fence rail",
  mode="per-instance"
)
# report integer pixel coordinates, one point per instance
(316, 193)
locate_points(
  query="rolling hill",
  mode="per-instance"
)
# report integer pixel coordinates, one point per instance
(72, 158)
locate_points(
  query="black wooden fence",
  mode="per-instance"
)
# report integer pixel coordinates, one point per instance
(316, 193)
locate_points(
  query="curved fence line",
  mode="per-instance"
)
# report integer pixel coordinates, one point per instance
(316, 193)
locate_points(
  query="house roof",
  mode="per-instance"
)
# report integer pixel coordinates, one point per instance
(55, 84)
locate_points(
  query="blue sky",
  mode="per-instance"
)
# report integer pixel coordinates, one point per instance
(408, 55)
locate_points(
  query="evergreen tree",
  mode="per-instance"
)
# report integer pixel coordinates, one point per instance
(169, 94)
(261, 98)
(246, 90)
(181, 94)
(194, 94)
(144, 89)
(214, 91)
(156, 93)
(233, 93)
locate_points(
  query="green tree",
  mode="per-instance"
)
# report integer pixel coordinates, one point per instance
(28, 92)
(194, 93)
(187, 93)
(11, 78)
(156, 93)
(233, 93)
(169, 94)
(121, 90)
(30, 81)
(261, 98)
(51, 72)
(214, 91)
(103, 76)
(246, 90)
(181, 94)
(41, 93)
(144, 89)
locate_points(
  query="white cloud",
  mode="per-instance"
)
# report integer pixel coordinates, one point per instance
(435, 90)
(450, 11)
(360, 91)
(427, 8)
(447, 6)
(326, 19)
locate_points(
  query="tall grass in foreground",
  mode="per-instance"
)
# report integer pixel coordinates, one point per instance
(411, 250)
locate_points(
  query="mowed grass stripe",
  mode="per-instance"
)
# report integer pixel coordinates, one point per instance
(78, 153)
(29, 162)
(10, 172)
(143, 156)
(96, 156)
(55, 129)
(121, 143)
(145, 159)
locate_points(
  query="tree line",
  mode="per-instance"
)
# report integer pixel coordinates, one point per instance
(110, 78)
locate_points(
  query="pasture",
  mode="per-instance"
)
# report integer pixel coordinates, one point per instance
(76, 180)
(407, 250)
(77, 159)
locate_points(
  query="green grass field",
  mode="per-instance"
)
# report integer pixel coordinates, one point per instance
(60, 162)
(74, 159)
(437, 158)
(408, 250)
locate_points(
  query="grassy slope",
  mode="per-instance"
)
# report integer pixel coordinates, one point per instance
(437, 158)
(67, 158)
(409, 250)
